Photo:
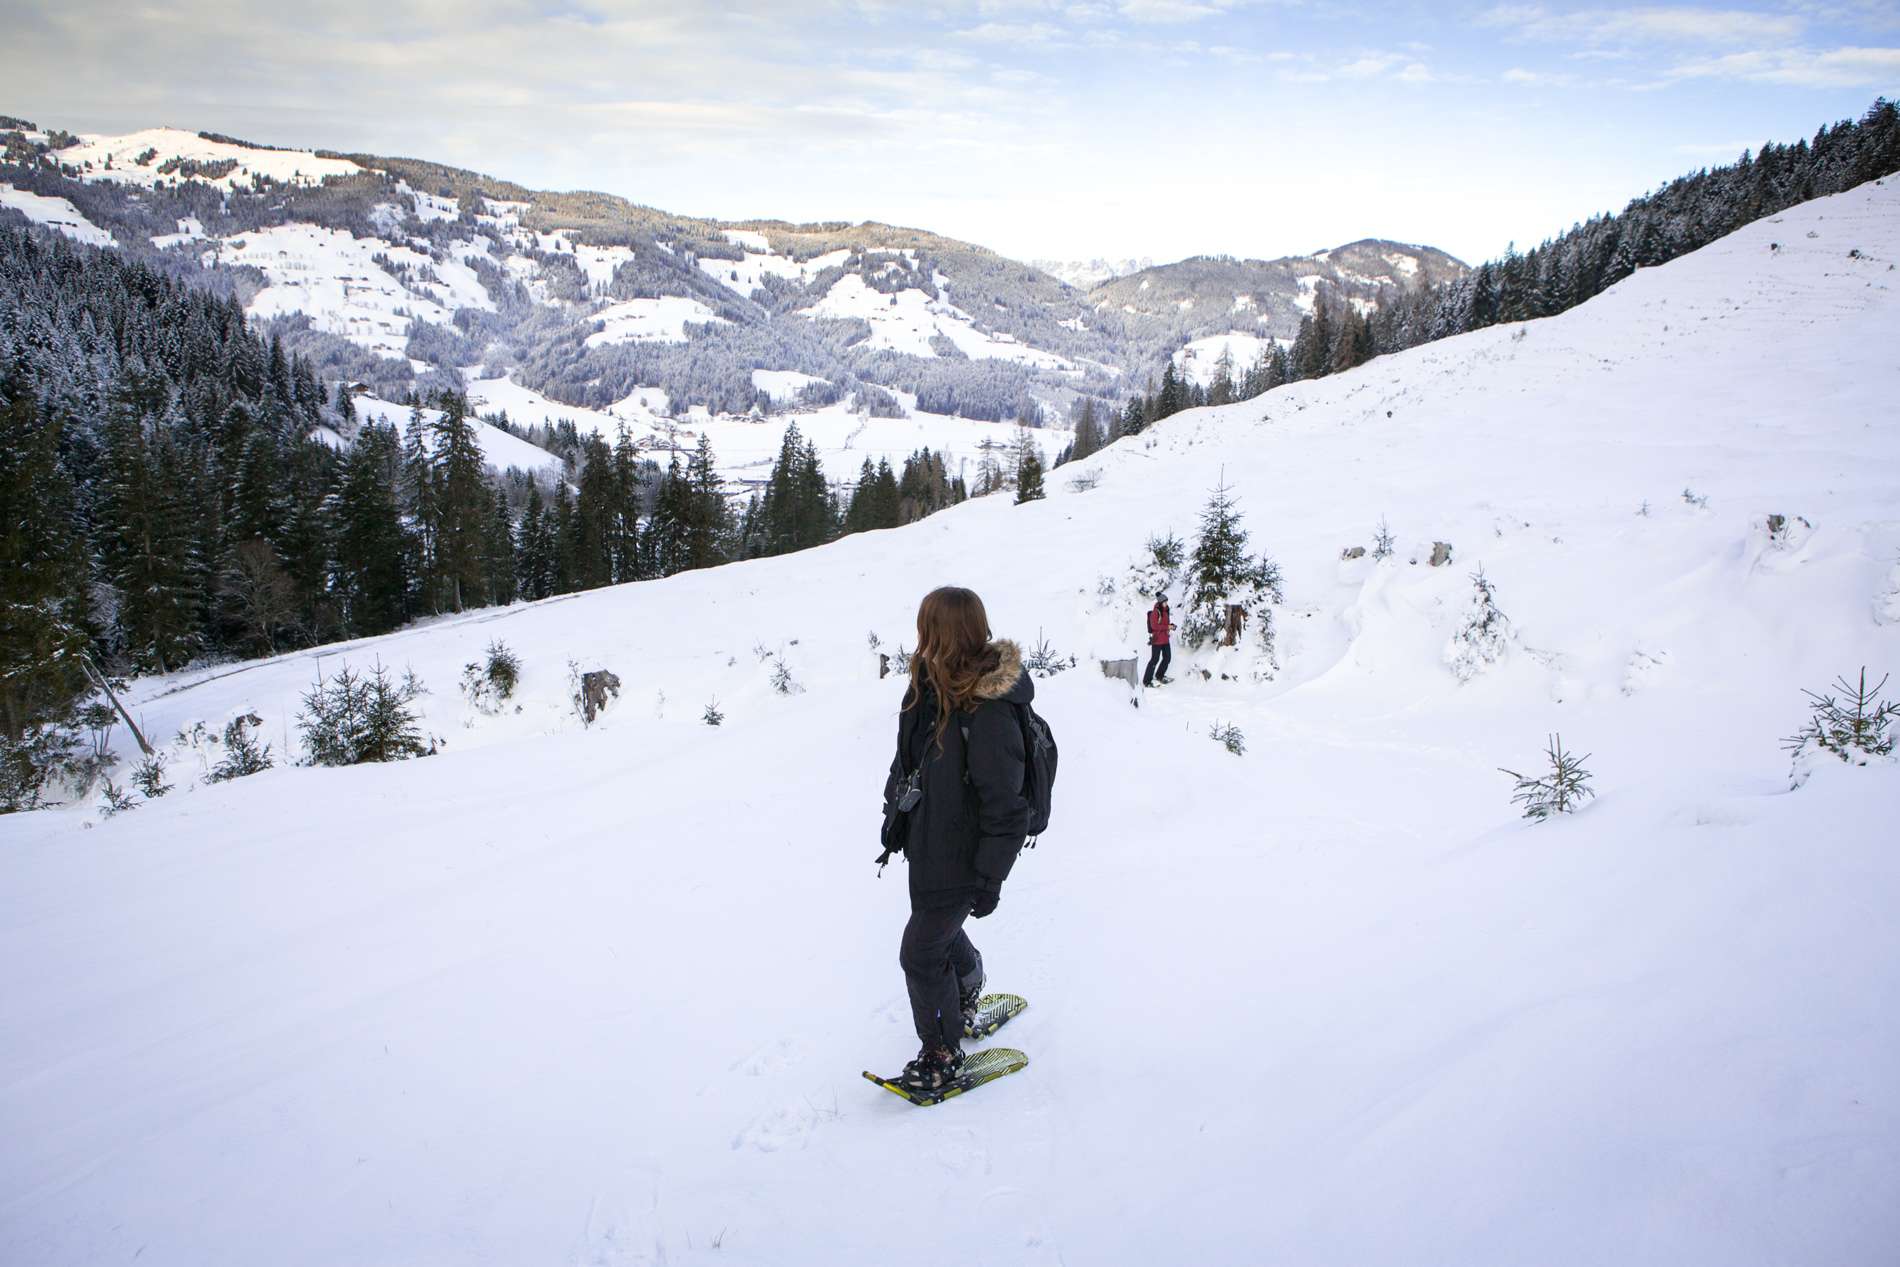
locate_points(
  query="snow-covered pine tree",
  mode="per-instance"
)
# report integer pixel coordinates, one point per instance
(1484, 635)
(1220, 573)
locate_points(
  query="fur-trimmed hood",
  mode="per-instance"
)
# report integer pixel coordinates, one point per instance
(1007, 680)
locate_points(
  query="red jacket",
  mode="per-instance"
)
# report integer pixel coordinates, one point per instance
(1159, 626)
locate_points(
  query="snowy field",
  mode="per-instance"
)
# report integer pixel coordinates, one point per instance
(1199, 359)
(602, 996)
(142, 158)
(746, 447)
(55, 213)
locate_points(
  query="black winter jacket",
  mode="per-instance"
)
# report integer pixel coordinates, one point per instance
(965, 829)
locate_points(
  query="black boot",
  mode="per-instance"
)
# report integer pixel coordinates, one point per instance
(968, 1000)
(934, 1069)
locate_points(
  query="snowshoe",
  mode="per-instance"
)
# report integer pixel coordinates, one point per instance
(975, 1069)
(983, 1017)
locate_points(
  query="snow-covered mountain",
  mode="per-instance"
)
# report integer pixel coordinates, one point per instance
(1213, 294)
(602, 995)
(400, 273)
(1082, 274)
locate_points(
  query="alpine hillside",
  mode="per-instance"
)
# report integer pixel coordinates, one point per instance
(405, 275)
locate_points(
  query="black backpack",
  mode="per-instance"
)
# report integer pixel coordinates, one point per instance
(1039, 766)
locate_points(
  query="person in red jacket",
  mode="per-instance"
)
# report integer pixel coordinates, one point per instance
(1159, 627)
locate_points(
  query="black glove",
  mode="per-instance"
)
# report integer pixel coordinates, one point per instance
(988, 893)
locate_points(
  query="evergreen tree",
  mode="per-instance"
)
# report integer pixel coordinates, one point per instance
(498, 553)
(536, 556)
(463, 505)
(1220, 572)
(1029, 476)
(369, 543)
(42, 570)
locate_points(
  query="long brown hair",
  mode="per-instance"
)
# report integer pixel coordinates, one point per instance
(953, 652)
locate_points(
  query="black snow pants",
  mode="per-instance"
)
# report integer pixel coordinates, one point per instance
(939, 962)
(1162, 654)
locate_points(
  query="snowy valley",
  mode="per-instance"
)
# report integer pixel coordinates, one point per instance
(601, 994)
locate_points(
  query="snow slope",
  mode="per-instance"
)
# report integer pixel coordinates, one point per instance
(1199, 359)
(658, 320)
(117, 158)
(909, 319)
(602, 996)
(346, 285)
(57, 213)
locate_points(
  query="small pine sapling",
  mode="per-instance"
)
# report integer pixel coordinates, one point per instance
(1228, 736)
(782, 678)
(1559, 790)
(243, 754)
(1699, 500)
(117, 800)
(1485, 635)
(148, 776)
(1044, 661)
(1383, 542)
(1852, 724)
(712, 716)
(489, 684)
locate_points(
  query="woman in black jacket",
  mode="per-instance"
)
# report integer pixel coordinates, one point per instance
(960, 741)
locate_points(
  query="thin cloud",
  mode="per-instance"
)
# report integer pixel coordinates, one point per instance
(1170, 11)
(1799, 67)
(1656, 25)
(1011, 33)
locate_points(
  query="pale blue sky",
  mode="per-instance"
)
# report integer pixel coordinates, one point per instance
(1156, 128)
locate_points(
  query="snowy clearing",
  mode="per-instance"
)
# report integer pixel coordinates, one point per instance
(339, 281)
(118, 158)
(1329, 1002)
(57, 213)
(650, 320)
(909, 319)
(1199, 358)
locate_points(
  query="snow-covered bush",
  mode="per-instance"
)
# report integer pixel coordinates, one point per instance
(488, 684)
(1852, 725)
(1559, 790)
(1228, 736)
(1484, 635)
(355, 718)
(243, 754)
(1693, 498)
(900, 660)
(782, 678)
(1044, 661)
